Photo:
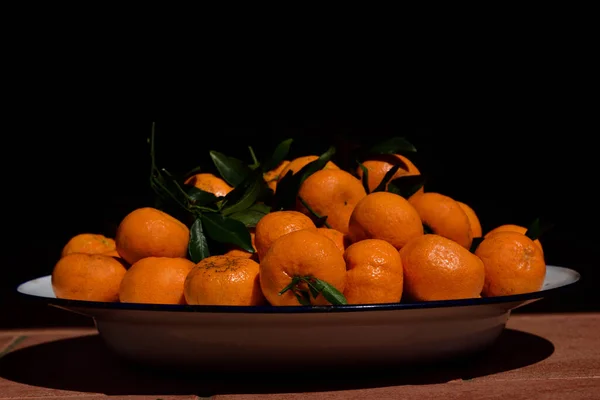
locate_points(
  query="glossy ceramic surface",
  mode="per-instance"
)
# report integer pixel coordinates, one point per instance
(224, 337)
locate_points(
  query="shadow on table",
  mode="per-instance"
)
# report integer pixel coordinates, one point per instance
(84, 364)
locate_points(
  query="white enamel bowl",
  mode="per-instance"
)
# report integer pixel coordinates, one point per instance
(224, 337)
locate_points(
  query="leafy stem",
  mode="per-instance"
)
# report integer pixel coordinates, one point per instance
(386, 178)
(537, 228)
(289, 185)
(393, 145)
(158, 186)
(157, 181)
(321, 219)
(279, 154)
(406, 185)
(316, 287)
(365, 177)
(193, 171)
(255, 162)
(177, 185)
(207, 214)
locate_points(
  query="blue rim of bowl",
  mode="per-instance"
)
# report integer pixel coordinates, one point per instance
(81, 304)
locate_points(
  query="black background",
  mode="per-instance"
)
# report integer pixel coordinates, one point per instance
(78, 170)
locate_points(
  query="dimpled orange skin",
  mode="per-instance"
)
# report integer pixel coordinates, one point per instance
(89, 243)
(298, 163)
(375, 273)
(513, 264)
(301, 253)
(337, 237)
(276, 224)
(155, 280)
(88, 277)
(444, 216)
(473, 220)
(225, 281)
(272, 176)
(149, 232)
(331, 192)
(210, 183)
(437, 268)
(379, 165)
(514, 228)
(386, 216)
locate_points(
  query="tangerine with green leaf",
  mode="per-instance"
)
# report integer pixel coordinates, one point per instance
(272, 176)
(303, 267)
(378, 165)
(300, 162)
(514, 228)
(514, 264)
(331, 193)
(149, 232)
(237, 251)
(232, 170)
(289, 184)
(209, 183)
(226, 281)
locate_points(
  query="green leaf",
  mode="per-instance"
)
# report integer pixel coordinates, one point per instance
(365, 177)
(475, 244)
(537, 229)
(252, 215)
(245, 194)
(289, 185)
(279, 154)
(227, 230)
(199, 197)
(319, 220)
(406, 185)
(316, 287)
(167, 189)
(303, 297)
(193, 171)
(166, 193)
(316, 165)
(231, 169)
(331, 294)
(198, 247)
(290, 286)
(393, 145)
(287, 190)
(386, 178)
(255, 162)
(260, 207)
(173, 197)
(313, 289)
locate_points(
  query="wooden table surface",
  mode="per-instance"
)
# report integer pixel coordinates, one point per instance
(551, 356)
